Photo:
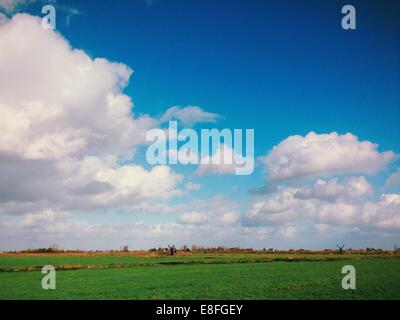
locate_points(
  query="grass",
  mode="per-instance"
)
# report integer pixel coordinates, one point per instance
(213, 276)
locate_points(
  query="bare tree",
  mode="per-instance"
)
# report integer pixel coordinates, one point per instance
(340, 248)
(172, 250)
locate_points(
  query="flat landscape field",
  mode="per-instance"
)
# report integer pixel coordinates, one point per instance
(199, 276)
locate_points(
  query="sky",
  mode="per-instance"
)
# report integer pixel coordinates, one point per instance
(76, 104)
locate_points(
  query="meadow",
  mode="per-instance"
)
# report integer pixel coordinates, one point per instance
(199, 276)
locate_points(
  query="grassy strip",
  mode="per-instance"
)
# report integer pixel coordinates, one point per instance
(189, 262)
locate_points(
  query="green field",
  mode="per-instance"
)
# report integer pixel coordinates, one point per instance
(200, 276)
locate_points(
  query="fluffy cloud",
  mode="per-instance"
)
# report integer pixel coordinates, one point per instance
(228, 218)
(217, 211)
(58, 226)
(341, 201)
(60, 102)
(319, 155)
(353, 187)
(385, 213)
(109, 183)
(194, 218)
(277, 208)
(66, 126)
(45, 227)
(189, 116)
(284, 206)
(338, 213)
(225, 161)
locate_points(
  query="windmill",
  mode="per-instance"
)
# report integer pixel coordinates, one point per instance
(340, 249)
(172, 250)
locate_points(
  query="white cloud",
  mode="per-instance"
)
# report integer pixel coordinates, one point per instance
(228, 218)
(224, 161)
(353, 187)
(217, 211)
(338, 213)
(284, 206)
(286, 232)
(45, 227)
(60, 102)
(127, 181)
(66, 125)
(77, 233)
(215, 207)
(278, 207)
(341, 201)
(194, 218)
(189, 116)
(319, 155)
(385, 213)
(394, 179)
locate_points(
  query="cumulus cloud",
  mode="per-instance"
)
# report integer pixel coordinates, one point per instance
(228, 218)
(343, 200)
(276, 208)
(353, 187)
(385, 213)
(61, 102)
(66, 127)
(285, 206)
(189, 115)
(338, 213)
(122, 183)
(320, 155)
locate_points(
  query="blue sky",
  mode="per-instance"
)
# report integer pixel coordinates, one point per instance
(281, 68)
(278, 67)
(271, 59)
